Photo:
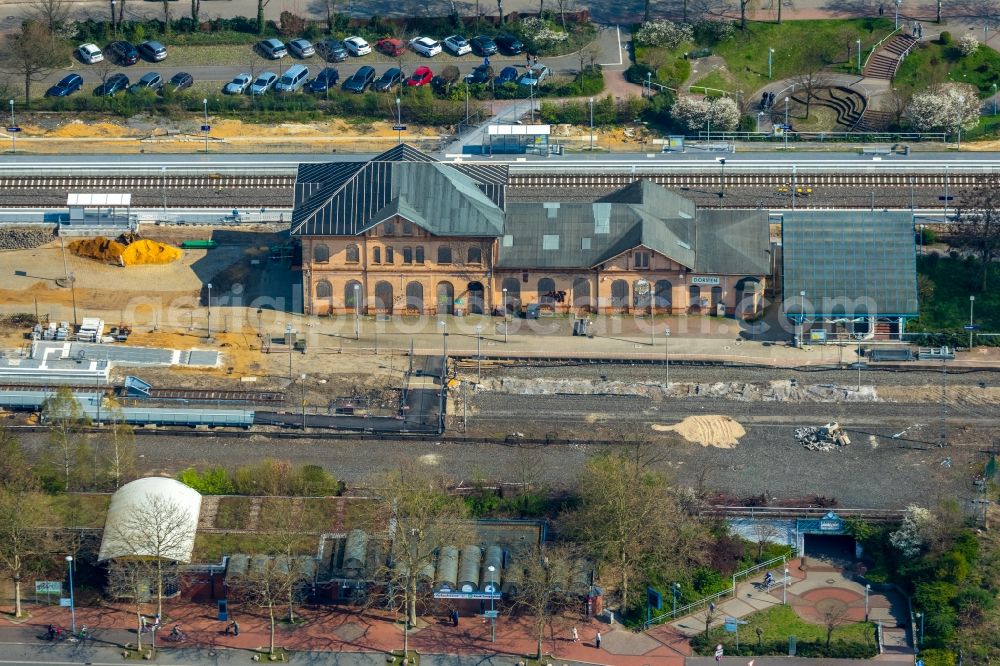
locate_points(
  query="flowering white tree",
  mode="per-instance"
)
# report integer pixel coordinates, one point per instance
(944, 107)
(912, 534)
(541, 34)
(696, 113)
(663, 33)
(968, 44)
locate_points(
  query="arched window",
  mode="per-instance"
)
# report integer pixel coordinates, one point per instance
(321, 254)
(547, 291)
(444, 254)
(475, 255)
(415, 296)
(619, 295)
(511, 291)
(324, 289)
(663, 294)
(353, 294)
(353, 256)
(383, 296)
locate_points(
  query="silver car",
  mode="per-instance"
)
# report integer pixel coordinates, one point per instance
(238, 85)
(301, 48)
(263, 83)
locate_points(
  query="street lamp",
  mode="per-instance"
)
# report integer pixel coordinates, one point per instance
(961, 102)
(897, 3)
(357, 311)
(802, 318)
(858, 42)
(770, 61)
(784, 589)
(972, 305)
(479, 356)
(722, 177)
(13, 135)
(290, 343)
(784, 131)
(444, 347)
(760, 114)
(921, 240)
(163, 183)
(209, 285)
(399, 123)
(72, 601)
(206, 127)
(868, 589)
(675, 591)
(592, 124)
(504, 315)
(666, 359)
(994, 99)
(920, 637)
(493, 621)
(649, 84)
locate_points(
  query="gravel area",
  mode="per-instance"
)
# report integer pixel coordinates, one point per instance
(23, 238)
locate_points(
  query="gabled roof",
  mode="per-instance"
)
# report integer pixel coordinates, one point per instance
(348, 198)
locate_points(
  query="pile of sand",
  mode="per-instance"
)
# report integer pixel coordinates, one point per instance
(138, 253)
(721, 432)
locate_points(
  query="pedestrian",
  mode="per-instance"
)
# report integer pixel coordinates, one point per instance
(527, 64)
(597, 640)
(50, 632)
(142, 623)
(711, 609)
(576, 635)
(83, 631)
(454, 617)
(236, 628)
(881, 9)
(535, 60)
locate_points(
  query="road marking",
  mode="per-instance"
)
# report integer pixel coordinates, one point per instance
(621, 61)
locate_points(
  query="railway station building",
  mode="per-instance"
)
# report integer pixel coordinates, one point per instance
(406, 234)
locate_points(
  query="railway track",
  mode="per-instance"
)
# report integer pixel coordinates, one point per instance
(193, 395)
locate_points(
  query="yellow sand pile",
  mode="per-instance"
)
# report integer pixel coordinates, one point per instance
(710, 430)
(141, 252)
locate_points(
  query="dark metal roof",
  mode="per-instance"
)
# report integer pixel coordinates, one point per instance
(346, 199)
(849, 263)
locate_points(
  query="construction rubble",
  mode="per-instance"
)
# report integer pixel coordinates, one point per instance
(773, 391)
(822, 438)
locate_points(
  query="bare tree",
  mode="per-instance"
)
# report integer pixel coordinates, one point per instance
(33, 53)
(563, 6)
(25, 547)
(195, 12)
(743, 13)
(544, 588)
(763, 533)
(15, 472)
(270, 580)
(130, 579)
(329, 10)
(118, 446)
(166, 17)
(977, 227)
(66, 421)
(813, 76)
(51, 13)
(418, 518)
(261, 5)
(834, 614)
(160, 530)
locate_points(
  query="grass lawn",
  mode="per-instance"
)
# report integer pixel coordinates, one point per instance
(234, 513)
(934, 63)
(80, 509)
(954, 280)
(716, 79)
(210, 547)
(780, 622)
(746, 53)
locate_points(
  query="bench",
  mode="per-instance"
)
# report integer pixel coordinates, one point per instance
(876, 151)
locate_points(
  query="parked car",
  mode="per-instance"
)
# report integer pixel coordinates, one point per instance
(149, 81)
(357, 46)
(421, 77)
(507, 75)
(293, 79)
(390, 46)
(457, 44)
(392, 78)
(324, 81)
(238, 85)
(152, 51)
(483, 45)
(123, 53)
(534, 75)
(361, 80)
(272, 48)
(425, 46)
(481, 74)
(263, 83)
(67, 86)
(332, 50)
(116, 83)
(89, 53)
(509, 45)
(180, 81)
(301, 48)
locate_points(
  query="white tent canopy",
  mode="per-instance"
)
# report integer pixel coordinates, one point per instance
(136, 509)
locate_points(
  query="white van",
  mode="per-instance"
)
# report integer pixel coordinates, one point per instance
(293, 79)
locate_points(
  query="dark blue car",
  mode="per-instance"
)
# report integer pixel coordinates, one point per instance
(69, 85)
(507, 75)
(326, 80)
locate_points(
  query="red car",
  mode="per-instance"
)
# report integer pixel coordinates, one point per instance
(421, 77)
(390, 46)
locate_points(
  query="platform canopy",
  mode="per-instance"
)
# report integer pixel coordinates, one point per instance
(98, 199)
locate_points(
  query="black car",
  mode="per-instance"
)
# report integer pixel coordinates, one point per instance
(392, 78)
(481, 74)
(123, 53)
(324, 81)
(180, 81)
(509, 45)
(69, 85)
(483, 45)
(332, 50)
(361, 80)
(115, 84)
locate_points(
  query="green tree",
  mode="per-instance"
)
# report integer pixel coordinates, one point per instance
(977, 224)
(67, 448)
(544, 588)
